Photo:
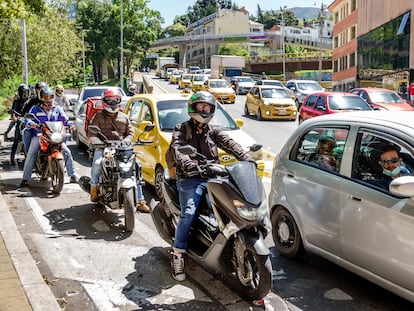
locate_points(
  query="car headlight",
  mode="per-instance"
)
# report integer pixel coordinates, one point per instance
(250, 212)
(266, 103)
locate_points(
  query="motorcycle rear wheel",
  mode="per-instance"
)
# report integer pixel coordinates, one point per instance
(58, 177)
(129, 208)
(255, 277)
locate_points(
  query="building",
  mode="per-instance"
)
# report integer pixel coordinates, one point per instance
(373, 44)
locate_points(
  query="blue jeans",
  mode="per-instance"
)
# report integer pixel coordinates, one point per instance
(190, 191)
(26, 137)
(31, 156)
(96, 171)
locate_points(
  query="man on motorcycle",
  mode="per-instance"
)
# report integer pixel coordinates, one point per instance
(23, 92)
(43, 112)
(114, 125)
(191, 180)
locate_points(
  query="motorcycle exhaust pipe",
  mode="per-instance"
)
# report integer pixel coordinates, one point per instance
(84, 183)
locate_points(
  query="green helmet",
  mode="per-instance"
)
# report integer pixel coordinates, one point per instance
(202, 97)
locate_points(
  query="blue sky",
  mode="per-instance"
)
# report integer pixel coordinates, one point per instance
(170, 8)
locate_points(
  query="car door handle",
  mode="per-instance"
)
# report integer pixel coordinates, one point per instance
(355, 198)
(290, 174)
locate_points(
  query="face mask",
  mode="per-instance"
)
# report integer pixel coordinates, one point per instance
(392, 173)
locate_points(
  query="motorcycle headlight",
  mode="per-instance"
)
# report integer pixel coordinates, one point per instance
(125, 166)
(56, 138)
(250, 212)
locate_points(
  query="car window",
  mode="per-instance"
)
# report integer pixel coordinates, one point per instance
(309, 86)
(366, 165)
(385, 97)
(252, 90)
(321, 147)
(321, 103)
(146, 114)
(347, 103)
(134, 111)
(311, 100)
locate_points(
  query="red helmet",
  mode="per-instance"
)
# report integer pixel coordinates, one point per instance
(111, 98)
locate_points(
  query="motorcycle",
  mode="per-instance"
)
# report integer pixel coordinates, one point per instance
(228, 233)
(120, 174)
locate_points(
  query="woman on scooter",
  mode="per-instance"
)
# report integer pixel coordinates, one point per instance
(206, 139)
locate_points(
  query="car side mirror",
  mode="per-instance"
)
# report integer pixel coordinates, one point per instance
(146, 126)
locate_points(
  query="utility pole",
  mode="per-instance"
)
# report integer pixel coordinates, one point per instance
(24, 53)
(121, 65)
(283, 44)
(320, 42)
(83, 57)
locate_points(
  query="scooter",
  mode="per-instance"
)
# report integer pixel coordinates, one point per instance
(228, 233)
(120, 174)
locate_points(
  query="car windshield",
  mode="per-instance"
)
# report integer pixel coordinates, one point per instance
(187, 77)
(348, 103)
(172, 112)
(199, 78)
(219, 84)
(385, 97)
(309, 86)
(245, 79)
(276, 83)
(274, 93)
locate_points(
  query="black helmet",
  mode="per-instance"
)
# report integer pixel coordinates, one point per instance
(39, 86)
(201, 115)
(23, 91)
(46, 96)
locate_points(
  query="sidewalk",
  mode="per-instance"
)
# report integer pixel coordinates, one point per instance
(21, 284)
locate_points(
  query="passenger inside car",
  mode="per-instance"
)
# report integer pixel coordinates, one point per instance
(326, 156)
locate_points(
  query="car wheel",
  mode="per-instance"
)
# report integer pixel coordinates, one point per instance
(246, 110)
(259, 115)
(158, 180)
(286, 235)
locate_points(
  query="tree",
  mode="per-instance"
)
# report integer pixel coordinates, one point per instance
(233, 49)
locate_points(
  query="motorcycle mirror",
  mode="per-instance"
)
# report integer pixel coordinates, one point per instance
(72, 118)
(255, 147)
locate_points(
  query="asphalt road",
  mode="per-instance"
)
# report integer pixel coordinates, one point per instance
(92, 264)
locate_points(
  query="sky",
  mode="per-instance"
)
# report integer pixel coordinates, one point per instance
(171, 8)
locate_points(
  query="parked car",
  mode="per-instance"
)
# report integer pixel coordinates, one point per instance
(345, 214)
(302, 88)
(270, 102)
(382, 99)
(165, 111)
(185, 81)
(321, 103)
(175, 76)
(241, 84)
(95, 91)
(197, 81)
(221, 89)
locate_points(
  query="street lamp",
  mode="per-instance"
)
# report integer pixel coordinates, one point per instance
(205, 52)
(320, 41)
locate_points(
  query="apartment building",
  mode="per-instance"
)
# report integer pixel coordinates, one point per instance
(373, 44)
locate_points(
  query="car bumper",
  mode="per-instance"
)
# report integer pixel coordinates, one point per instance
(225, 98)
(278, 113)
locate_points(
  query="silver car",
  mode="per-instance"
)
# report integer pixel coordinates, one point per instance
(349, 211)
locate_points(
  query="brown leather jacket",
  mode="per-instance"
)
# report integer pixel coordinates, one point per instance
(113, 126)
(206, 143)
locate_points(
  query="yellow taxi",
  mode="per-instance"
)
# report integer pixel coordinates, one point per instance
(164, 111)
(197, 81)
(175, 76)
(185, 81)
(270, 102)
(221, 89)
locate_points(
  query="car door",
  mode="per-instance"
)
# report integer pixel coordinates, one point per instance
(320, 106)
(306, 110)
(312, 191)
(376, 226)
(147, 153)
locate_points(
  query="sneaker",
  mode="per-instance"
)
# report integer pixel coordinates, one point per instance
(73, 179)
(177, 265)
(143, 207)
(23, 184)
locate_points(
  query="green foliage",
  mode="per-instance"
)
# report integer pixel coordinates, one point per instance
(233, 49)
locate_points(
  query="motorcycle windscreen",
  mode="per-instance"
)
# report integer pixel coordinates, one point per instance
(54, 126)
(244, 176)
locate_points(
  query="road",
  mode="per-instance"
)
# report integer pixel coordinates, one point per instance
(92, 264)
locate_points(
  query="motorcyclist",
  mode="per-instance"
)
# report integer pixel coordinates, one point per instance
(33, 101)
(132, 89)
(60, 97)
(114, 125)
(206, 138)
(23, 92)
(43, 112)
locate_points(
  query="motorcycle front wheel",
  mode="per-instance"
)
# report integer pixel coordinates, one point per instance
(58, 176)
(129, 208)
(255, 276)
